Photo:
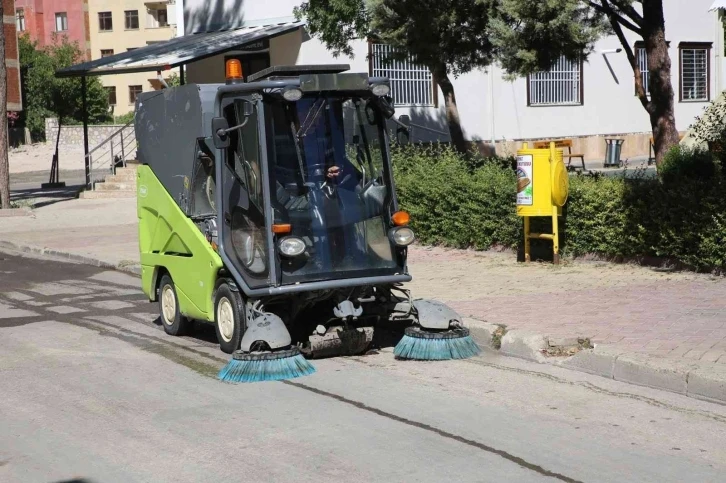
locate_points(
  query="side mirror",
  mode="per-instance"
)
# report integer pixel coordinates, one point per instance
(386, 106)
(403, 131)
(219, 132)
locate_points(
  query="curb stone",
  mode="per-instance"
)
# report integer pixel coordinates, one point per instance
(599, 361)
(706, 381)
(698, 380)
(525, 345)
(131, 269)
(482, 332)
(12, 212)
(708, 384)
(654, 372)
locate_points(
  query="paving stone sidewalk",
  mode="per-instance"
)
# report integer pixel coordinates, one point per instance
(669, 314)
(675, 315)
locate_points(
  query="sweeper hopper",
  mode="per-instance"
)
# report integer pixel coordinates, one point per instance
(268, 209)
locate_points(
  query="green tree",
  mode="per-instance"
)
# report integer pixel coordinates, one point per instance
(528, 36)
(173, 80)
(449, 37)
(523, 36)
(49, 96)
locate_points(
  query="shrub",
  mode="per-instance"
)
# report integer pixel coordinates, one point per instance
(682, 163)
(124, 118)
(471, 203)
(451, 203)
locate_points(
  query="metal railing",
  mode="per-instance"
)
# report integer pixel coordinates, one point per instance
(112, 153)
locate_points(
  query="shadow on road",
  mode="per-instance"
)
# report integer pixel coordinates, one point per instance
(205, 332)
(38, 198)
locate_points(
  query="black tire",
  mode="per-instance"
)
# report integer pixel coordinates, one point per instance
(229, 332)
(172, 320)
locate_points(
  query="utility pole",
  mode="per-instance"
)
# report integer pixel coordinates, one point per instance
(4, 164)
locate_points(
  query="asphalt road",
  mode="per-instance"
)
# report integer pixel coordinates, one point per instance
(92, 388)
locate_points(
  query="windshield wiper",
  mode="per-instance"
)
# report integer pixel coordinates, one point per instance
(305, 127)
(300, 162)
(296, 142)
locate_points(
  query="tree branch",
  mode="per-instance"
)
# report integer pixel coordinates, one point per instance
(639, 88)
(607, 10)
(628, 10)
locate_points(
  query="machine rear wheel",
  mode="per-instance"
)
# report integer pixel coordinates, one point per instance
(229, 318)
(173, 321)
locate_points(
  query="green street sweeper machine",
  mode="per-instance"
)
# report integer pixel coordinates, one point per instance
(268, 209)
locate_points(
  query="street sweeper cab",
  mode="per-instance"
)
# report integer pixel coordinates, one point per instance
(269, 209)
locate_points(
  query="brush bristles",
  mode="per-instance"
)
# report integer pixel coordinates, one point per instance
(266, 370)
(436, 349)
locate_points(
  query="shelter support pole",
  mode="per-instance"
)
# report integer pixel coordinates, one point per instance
(555, 215)
(555, 237)
(182, 75)
(87, 163)
(527, 257)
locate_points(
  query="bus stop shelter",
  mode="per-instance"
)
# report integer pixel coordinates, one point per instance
(164, 56)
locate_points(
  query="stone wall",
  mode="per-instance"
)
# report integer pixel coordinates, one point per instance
(73, 135)
(635, 145)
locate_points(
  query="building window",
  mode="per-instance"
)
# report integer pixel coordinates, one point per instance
(132, 19)
(163, 17)
(61, 22)
(131, 49)
(106, 53)
(134, 92)
(560, 86)
(111, 91)
(641, 56)
(20, 19)
(411, 84)
(695, 61)
(157, 18)
(105, 21)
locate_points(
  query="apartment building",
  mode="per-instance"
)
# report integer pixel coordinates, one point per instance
(588, 100)
(42, 19)
(118, 26)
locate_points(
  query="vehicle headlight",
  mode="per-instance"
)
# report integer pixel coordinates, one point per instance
(380, 90)
(291, 246)
(402, 236)
(292, 94)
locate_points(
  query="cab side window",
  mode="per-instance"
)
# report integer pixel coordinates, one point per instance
(249, 155)
(234, 160)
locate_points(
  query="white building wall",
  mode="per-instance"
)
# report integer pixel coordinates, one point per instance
(609, 105)
(490, 107)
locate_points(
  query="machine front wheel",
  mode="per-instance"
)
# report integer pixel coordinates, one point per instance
(229, 318)
(173, 321)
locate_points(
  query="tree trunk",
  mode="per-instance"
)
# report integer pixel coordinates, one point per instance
(661, 106)
(4, 165)
(441, 76)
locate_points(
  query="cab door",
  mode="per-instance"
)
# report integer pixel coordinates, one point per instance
(244, 227)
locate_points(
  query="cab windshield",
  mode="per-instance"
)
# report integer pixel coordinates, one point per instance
(329, 181)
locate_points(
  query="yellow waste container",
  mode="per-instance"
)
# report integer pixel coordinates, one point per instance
(542, 181)
(542, 190)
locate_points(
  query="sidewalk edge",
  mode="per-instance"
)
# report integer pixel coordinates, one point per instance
(130, 269)
(695, 379)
